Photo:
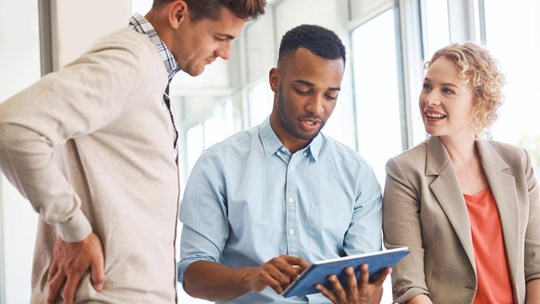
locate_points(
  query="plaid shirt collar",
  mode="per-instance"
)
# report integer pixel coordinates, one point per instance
(141, 25)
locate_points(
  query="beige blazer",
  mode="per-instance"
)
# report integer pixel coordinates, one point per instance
(424, 209)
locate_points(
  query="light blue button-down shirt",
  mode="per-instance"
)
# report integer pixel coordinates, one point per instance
(248, 200)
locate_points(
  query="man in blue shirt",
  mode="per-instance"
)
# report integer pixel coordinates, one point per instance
(261, 205)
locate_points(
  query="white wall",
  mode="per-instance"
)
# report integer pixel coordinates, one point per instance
(76, 24)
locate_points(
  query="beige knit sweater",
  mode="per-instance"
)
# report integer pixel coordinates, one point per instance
(91, 147)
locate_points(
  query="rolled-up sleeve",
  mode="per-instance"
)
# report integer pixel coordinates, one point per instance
(203, 213)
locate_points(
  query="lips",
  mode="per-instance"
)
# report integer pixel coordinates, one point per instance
(310, 124)
(434, 115)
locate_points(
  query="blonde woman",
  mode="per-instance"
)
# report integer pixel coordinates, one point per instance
(468, 208)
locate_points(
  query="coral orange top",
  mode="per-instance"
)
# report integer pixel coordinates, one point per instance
(494, 284)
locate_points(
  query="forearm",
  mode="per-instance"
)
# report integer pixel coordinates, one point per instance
(26, 159)
(533, 291)
(215, 282)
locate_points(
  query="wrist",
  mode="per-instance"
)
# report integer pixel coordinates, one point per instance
(245, 278)
(74, 229)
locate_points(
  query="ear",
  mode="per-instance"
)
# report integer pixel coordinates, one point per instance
(274, 77)
(178, 11)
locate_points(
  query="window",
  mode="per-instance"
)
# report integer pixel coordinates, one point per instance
(518, 58)
(375, 73)
(259, 103)
(209, 129)
(436, 26)
(19, 52)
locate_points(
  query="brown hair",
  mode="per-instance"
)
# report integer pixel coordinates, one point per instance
(210, 9)
(477, 66)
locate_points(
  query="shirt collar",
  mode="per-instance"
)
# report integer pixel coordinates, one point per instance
(143, 26)
(271, 143)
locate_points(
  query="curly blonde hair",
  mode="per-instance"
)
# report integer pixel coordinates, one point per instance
(477, 66)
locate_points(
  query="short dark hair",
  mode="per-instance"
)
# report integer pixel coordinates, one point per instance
(317, 39)
(210, 9)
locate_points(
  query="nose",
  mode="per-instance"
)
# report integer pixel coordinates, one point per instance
(315, 106)
(224, 52)
(432, 98)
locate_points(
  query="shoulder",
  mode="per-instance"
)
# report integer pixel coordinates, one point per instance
(235, 146)
(124, 47)
(414, 156)
(505, 149)
(500, 154)
(126, 38)
(226, 156)
(341, 153)
(414, 152)
(333, 146)
(123, 57)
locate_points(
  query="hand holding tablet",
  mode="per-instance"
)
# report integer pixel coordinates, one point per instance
(318, 272)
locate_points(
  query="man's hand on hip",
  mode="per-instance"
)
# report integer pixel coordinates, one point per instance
(70, 262)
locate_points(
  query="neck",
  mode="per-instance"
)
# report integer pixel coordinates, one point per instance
(461, 151)
(292, 143)
(158, 20)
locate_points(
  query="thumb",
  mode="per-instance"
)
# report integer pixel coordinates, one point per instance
(98, 273)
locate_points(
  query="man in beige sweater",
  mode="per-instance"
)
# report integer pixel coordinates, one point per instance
(93, 148)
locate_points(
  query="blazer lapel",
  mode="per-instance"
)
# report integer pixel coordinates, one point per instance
(446, 189)
(503, 187)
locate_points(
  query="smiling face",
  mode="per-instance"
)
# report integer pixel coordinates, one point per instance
(198, 43)
(447, 101)
(306, 89)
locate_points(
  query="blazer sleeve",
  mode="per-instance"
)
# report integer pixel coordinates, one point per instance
(532, 235)
(402, 227)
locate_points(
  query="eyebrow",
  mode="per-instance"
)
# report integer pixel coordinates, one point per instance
(309, 84)
(448, 84)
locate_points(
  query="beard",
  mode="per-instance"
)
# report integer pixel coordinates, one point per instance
(288, 122)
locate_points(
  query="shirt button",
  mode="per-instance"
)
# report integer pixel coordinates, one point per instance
(283, 149)
(305, 153)
(292, 168)
(291, 231)
(291, 200)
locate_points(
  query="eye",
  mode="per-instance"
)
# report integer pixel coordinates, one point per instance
(220, 39)
(447, 91)
(426, 86)
(302, 91)
(331, 96)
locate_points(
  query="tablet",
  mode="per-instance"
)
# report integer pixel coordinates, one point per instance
(318, 272)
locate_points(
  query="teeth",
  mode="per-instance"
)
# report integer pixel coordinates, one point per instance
(309, 122)
(435, 115)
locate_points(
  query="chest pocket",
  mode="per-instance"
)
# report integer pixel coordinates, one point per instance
(328, 222)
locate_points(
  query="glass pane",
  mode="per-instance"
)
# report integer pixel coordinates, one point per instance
(376, 91)
(436, 25)
(19, 68)
(519, 60)
(260, 101)
(195, 144)
(219, 126)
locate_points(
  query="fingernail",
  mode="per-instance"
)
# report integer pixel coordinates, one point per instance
(99, 287)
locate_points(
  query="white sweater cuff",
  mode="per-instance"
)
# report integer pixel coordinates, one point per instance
(75, 229)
